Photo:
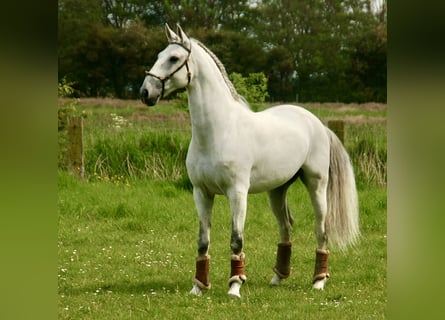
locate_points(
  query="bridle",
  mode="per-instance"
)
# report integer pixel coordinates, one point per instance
(185, 63)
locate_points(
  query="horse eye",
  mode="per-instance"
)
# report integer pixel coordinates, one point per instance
(174, 59)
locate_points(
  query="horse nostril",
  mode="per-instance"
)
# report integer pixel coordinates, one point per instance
(144, 93)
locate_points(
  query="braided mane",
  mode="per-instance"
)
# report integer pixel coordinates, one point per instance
(223, 71)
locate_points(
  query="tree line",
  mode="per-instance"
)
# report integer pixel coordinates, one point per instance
(309, 50)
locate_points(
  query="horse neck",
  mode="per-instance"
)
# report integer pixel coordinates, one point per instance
(211, 102)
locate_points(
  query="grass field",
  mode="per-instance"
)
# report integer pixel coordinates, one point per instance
(127, 232)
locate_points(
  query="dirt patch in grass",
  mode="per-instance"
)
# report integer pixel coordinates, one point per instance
(105, 102)
(181, 118)
(369, 106)
(178, 119)
(360, 119)
(344, 107)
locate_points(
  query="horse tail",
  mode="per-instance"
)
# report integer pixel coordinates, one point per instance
(342, 221)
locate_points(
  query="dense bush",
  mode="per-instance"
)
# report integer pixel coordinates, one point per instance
(253, 87)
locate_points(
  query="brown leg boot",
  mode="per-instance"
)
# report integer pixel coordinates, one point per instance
(237, 269)
(282, 265)
(202, 272)
(321, 265)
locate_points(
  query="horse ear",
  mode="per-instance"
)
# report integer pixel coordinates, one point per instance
(184, 38)
(171, 36)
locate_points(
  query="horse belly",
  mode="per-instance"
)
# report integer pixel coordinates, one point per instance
(283, 141)
(272, 173)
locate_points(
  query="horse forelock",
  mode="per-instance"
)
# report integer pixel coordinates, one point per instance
(223, 71)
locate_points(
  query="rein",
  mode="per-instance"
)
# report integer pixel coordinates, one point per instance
(185, 63)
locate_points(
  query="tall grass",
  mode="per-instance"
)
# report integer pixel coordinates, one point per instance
(366, 144)
(137, 153)
(129, 142)
(139, 143)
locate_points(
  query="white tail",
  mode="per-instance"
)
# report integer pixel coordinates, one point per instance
(342, 221)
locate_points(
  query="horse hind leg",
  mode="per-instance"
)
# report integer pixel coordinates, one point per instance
(317, 187)
(278, 204)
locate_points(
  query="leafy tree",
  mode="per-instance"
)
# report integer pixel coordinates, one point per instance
(102, 59)
(318, 35)
(119, 13)
(316, 50)
(237, 52)
(367, 70)
(281, 74)
(132, 50)
(77, 20)
(199, 14)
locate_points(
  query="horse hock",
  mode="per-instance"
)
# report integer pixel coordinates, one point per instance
(282, 265)
(202, 272)
(237, 269)
(321, 265)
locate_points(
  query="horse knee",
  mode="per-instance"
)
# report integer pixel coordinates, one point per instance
(203, 248)
(203, 245)
(322, 238)
(236, 243)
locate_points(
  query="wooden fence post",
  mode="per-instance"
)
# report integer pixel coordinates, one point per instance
(75, 146)
(338, 127)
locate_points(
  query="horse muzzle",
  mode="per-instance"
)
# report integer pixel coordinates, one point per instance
(149, 100)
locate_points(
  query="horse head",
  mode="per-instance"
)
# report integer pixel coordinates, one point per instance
(170, 71)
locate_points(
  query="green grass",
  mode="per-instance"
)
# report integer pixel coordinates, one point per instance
(126, 251)
(127, 232)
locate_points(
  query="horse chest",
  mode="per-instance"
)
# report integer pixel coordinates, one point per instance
(214, 171)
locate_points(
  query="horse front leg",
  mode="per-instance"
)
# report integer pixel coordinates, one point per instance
(238, 206)
(204, 204)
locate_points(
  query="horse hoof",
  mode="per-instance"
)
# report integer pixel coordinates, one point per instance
(234, 290)
(319, 285)
(276, 280)
(196, 291)
(234, 295)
